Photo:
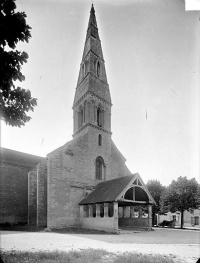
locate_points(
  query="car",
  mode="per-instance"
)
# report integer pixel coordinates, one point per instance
(167, 223)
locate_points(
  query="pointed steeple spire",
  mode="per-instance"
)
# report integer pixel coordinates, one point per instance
(92, 25)
(92, 51)
(92, 20)
(92, 86)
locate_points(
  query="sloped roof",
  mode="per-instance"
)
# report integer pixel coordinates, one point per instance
(108, 191)
(15, 157)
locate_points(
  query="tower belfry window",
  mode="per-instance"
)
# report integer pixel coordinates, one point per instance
(99, 117)
(98, 69)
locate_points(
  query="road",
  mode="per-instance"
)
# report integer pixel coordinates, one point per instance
(182, 244)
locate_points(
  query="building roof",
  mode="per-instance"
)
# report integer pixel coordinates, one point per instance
(113, 190)
(15, 157)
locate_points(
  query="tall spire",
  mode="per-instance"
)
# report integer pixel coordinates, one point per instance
(92, 86)
(93, 59)
(92, 29)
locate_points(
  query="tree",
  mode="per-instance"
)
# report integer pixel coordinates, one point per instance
(15, 102)
(181, 195)
(156, 189)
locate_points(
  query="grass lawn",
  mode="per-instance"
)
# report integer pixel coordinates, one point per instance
(83, 256)
(70, 230)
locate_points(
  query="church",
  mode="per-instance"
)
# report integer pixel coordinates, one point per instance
(84, 183)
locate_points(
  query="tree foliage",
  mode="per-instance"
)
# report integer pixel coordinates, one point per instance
(156, 189)
(15, 102)
(181, 195)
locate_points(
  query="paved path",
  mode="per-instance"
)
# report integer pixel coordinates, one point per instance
(48, 241)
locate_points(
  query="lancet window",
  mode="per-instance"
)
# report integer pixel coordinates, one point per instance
(99, 117)
(99, 140)
(98, 69)
(99, 168)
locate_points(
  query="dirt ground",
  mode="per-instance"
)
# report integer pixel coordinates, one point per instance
(182, 244)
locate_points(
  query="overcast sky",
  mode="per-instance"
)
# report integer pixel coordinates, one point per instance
(151, 52)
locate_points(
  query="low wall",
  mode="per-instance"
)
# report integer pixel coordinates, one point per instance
(133, 222)
(108, 224)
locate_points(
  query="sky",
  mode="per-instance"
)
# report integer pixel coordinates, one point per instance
(151, 52)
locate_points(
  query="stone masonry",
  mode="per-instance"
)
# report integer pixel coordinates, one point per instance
(72, 168)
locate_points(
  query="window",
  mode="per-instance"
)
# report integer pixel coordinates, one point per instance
(196, 220)
(99, 116)
(99, 140)
(99, 168)
(98, 69)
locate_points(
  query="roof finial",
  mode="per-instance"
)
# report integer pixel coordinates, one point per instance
(92, 8)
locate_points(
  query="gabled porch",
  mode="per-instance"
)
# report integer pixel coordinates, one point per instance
(122, 203)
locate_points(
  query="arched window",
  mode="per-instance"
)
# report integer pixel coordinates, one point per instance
(99, 140)
(99, 168)
(98, 69)
(99, 117)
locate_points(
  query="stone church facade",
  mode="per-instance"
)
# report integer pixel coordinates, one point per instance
(63, 190)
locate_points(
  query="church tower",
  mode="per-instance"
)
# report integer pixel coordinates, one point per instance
(92, 102)
(91, 157)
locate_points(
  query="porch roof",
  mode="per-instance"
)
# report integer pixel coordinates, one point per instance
(108, 191)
